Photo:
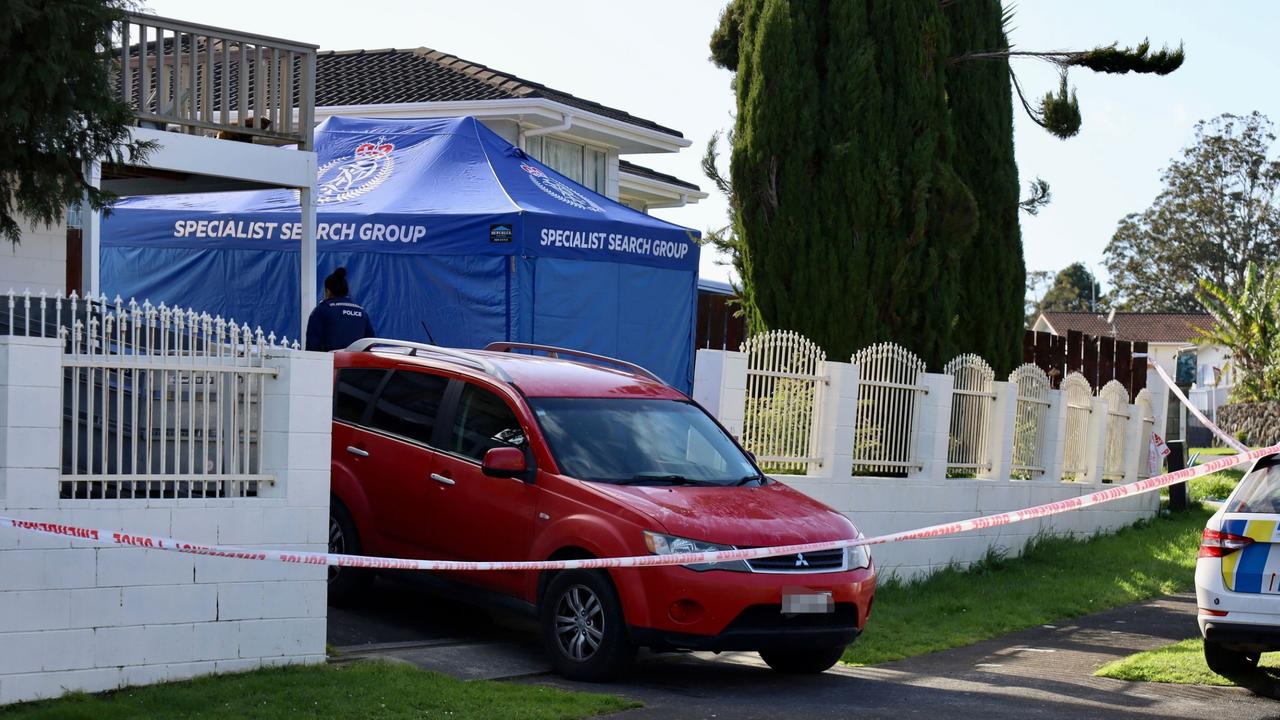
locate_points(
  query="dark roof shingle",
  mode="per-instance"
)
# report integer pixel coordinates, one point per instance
(378, 77)
(1134, 326)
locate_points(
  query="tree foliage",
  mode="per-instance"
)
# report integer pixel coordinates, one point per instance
(60, 109)
(1074, 289)
(1216, 213)
(1247, 322)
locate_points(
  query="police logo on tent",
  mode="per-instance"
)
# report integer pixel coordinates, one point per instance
(356, 174)
(559, 190)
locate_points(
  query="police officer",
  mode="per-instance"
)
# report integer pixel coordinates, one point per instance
(337, 321)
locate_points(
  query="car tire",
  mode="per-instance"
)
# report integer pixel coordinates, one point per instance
(1228, 662)
(802, 662)
(583, 630)
(346, 585)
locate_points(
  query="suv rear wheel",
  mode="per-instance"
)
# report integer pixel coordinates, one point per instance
(582, 627)
(802, 662)
(346, 585)
(1226, 661)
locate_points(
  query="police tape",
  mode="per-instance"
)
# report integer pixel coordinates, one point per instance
(114, 537)
(1213, 427)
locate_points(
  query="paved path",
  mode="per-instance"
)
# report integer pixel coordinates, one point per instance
(1044, 672)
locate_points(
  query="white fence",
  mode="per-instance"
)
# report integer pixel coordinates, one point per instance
(1116, 398)
(784, 396)
(1032, 409)
(156, 401)
(889, 398)
(1142, 404)
(1079, 396)
(972, 402)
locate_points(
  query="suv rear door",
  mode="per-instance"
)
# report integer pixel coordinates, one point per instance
(481, 517)
(1253, 512)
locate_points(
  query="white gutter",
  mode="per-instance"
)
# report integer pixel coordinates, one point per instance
(565, 124)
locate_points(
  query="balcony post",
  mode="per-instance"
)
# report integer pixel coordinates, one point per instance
(91, 237)
(307, 256)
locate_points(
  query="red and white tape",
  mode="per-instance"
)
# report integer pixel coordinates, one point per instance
(114, 537)
(1177, 391)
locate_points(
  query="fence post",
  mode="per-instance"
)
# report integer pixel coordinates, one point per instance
(30, 422)
(934, 435)
(1095, 448)
(1055, 441)
(838, 415)
(1134, 446)
(1004, 417)
(720, 386)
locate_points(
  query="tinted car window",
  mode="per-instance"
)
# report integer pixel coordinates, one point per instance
(1259, 492)
(353, 391)
(483, 421)
(409, 404)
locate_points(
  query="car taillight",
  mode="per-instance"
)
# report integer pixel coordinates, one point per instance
(1216, 544)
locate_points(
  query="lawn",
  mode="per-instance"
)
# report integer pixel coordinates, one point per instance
(1055, 578)
(1183, 663)
(374, 690)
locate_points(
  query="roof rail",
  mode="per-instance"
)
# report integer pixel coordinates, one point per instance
(556, 352)
(424, 350)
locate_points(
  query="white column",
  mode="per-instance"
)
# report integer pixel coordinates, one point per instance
(1095, 446)
(30, 422)
(91, 238)
(720, 386)
(837, 417)
(307, 259)
(1055, 436)
(1004, 418)
(1135, 446)
(933, 427)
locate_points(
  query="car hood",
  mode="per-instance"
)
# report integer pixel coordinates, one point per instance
(756, 516)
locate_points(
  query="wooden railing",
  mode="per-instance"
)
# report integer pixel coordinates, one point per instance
(204, 80)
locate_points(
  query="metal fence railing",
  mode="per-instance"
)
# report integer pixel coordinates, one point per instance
(890, 393)
(784, 394)
(156, 401)
(1079, 398)
(973, 399)
(1031, 410)
(1116, 398)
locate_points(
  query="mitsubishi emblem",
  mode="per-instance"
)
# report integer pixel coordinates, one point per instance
(800, 561)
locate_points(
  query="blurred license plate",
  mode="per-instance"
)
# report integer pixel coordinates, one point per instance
(807, 603)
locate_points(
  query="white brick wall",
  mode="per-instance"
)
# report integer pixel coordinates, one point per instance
(78, 616)
(927, 497)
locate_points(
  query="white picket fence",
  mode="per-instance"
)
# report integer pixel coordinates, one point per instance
(156, 401)
(785, 379)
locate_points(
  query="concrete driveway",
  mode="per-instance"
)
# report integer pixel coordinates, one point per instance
(1044, 672)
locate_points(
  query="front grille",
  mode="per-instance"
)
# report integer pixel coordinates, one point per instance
(813, 562)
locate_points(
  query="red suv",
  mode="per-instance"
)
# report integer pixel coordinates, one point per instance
(516, 453)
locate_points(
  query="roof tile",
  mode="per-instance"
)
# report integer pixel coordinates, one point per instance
(1135, 326)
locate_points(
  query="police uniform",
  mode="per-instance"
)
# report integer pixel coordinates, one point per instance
(336, 323)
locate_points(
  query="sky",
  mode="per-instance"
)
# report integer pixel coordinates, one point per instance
(650, 59)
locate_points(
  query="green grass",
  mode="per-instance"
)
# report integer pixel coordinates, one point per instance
(375, 690)
(1055, 578)
(1212, 451)
(1183, 664)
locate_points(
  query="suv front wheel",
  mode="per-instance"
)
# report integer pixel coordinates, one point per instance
(583, 631)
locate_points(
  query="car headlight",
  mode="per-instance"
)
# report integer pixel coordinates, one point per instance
(660, 544)
(859, 557)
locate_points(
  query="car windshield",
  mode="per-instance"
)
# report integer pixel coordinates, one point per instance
(641, 442)
(1260, 491)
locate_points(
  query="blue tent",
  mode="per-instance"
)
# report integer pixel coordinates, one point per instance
(439, 223)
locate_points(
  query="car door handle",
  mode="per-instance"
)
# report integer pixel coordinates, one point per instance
(357, 451)
(442, 479)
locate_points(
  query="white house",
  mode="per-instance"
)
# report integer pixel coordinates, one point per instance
(582, 139)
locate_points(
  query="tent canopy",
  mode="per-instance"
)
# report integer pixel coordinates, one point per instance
(449, 235)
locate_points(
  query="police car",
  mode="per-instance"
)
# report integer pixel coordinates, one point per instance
(1238, 573)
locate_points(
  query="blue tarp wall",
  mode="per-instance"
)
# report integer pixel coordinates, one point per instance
(438, 222)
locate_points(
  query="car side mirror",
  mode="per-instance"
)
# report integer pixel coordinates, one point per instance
(504, 462)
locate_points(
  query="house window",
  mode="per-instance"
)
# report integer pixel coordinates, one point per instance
(583, 165)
